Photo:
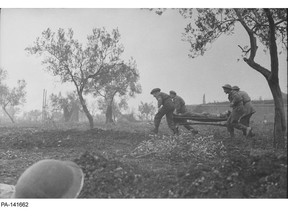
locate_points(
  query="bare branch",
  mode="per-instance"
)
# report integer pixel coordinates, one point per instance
(243, 50)
(253, 48)
(279, 22)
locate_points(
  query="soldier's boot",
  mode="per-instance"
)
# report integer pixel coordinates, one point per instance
(194, 131)
(230, 130)
(176, 131)
(156, 125)
(248, 131)
(245, 129)
(191, 129)
(252, 134)
(155, 131)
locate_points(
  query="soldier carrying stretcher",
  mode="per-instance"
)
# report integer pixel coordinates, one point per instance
(180, 109)
(248, 108)
(165, 107)
(238, 112)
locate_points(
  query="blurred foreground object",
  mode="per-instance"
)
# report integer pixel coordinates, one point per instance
(49, 179)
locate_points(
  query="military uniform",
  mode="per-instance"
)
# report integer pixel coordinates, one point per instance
(248, 108)
(180, 108)
(179, 104)
(167, 108)
(237, 106)
(237, 112)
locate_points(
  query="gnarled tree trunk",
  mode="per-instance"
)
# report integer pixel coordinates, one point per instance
(74, 113)
(109, 114)
(109, 110)
(86, 111)
(279, 117)
(66, 114)
(10, 117)
(271, 76)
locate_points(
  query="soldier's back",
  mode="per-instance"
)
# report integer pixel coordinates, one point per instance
(244, 96)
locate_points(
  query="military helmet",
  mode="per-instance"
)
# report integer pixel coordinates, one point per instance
(235, 88)
(50, 179)
(155, 90)
(227, 86)
(172, 92)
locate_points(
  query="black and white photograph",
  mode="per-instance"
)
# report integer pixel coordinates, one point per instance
(168, 103)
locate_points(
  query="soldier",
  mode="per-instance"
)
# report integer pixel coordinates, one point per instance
(165, 107)
(248, 108)
(236, 102)
(180, 108)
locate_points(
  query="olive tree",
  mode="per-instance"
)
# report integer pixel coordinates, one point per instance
(112, 111)
(266, 26)
(120, 80)
(67, 58)
(11, 97)
(147, 110)
(69, 105)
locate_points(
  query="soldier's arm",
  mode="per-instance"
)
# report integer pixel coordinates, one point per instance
(245, 96)
(236, 99)
(160, 102)
(177, 105)
(182, 102)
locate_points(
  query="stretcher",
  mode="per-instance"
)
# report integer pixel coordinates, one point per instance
(202, 119)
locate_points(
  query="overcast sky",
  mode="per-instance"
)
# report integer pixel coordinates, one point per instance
(153, 41)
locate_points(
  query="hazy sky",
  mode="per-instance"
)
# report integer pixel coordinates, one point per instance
(153, 41)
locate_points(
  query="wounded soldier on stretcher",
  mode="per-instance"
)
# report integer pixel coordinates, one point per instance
(204, 116)
(182, 119)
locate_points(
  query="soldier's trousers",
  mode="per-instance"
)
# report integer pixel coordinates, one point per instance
(234, 121)
(169, 117)
(241, 125)
(185, 124)
(245, 120)
(237, 125)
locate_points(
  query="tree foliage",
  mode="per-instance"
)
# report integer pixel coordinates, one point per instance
(267, 26)
(69, 105)
(33, 115)
(11, 96)
(117, 107)
(121, 81)
(67, 58)
(147, 110)
(210, 24)
(73, 62)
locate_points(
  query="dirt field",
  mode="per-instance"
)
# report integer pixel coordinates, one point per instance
(124, 161)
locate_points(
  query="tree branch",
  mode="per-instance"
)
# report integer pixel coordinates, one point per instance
(243, 50)
(102, 95)
(279, 22)
(79, 90)
(253, 47)
(92, 76)
(253, 44)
